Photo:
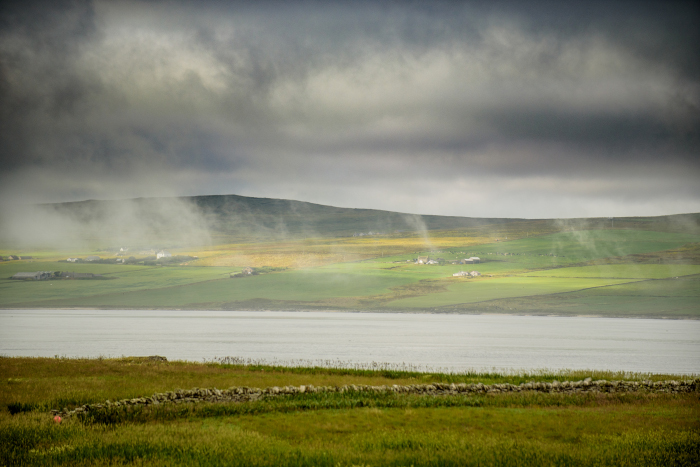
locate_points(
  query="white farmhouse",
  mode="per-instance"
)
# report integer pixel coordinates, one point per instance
(163, 254)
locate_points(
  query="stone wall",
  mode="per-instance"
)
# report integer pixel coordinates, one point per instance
(246, 394)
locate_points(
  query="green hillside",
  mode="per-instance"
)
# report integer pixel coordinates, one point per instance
(240, 217)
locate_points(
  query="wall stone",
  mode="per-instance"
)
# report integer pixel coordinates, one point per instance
(246, 394)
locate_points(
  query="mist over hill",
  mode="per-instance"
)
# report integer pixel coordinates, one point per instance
(201, 220)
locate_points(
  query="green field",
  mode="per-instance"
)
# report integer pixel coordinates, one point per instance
(127, 280)
(482, 290)
(333, 429)
(622, 271)
(306, 286)
(535, 267)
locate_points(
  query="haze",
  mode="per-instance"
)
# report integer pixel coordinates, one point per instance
(541, 110)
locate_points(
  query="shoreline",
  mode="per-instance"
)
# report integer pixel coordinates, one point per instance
(425, 311)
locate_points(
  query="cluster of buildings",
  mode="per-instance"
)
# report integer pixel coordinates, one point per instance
(46, 275)
(88, 259)
(426, 260)
(33, 276)
(466, 274)
(14, 258)
(122, 252)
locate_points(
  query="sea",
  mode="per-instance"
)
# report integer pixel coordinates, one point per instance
(423, 342)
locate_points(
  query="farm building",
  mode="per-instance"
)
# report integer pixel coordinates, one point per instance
(72, 260)
(472, 260)
(93, 258)
(422, 260)
(163, 254)
(474, 273)
(34, 276)
(460, 274)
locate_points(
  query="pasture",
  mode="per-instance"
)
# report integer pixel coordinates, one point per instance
(332, 429)
(564, 272)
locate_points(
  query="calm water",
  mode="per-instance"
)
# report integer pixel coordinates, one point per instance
(452, 342)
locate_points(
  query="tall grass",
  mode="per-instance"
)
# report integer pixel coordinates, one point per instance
(367, 436)
(43, 384)
(331, 429)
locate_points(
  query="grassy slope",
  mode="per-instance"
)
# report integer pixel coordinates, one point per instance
(480, 290)
(678, 298)
(291, 286)
(340, 429)
(127, 280)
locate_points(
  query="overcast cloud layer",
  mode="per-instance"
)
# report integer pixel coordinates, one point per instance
(551, 109)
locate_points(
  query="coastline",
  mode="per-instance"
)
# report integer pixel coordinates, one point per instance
(426, 311)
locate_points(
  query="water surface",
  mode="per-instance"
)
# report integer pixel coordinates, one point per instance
(450, 342)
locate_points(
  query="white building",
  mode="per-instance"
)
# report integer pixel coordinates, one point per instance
(72, 260)
(163, 254)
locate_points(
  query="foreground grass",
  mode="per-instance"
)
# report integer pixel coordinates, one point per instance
(330, 428)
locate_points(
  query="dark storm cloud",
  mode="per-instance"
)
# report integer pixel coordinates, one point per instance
(320, 101)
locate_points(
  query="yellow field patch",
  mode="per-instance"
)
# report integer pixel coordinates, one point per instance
(319, 252)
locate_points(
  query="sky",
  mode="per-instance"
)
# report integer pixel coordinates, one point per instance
(497, 109)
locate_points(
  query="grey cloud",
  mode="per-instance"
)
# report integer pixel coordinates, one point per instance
(356, 93)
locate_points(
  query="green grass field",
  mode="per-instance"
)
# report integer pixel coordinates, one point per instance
(333, 429)
(485, 289)
(565, 272)
(621, 271)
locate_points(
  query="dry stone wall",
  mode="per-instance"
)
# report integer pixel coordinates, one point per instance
(246, 394)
